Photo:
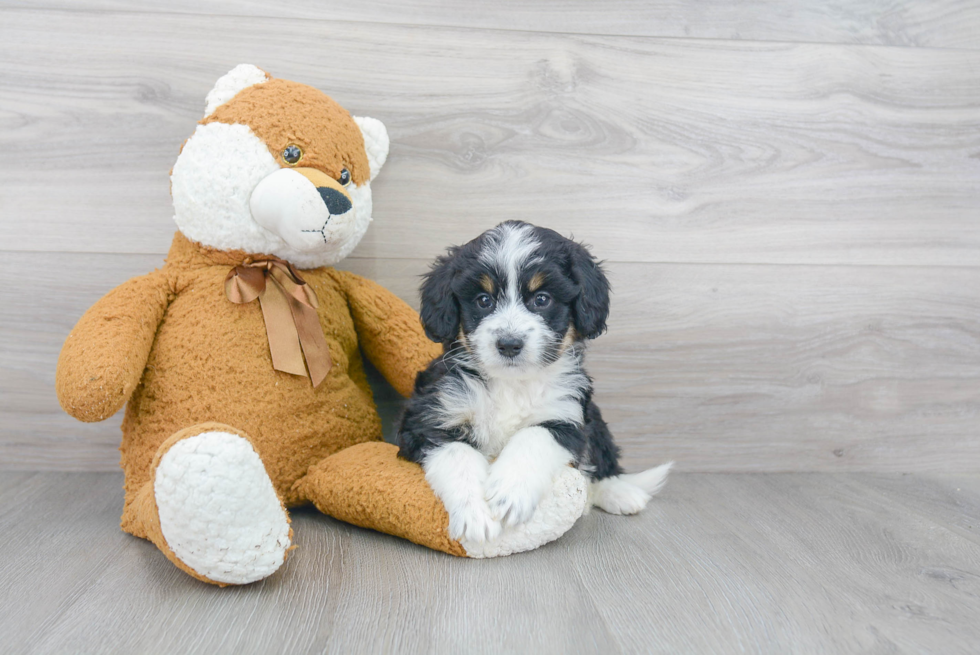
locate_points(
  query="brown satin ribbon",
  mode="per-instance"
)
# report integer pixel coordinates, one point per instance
(289, 309)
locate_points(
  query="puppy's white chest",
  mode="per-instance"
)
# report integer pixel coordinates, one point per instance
(510, 405)
(492, 411)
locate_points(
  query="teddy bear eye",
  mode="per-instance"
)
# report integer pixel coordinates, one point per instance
(344, 177)
(292, 154)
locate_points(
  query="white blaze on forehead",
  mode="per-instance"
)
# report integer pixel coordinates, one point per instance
(508, 249)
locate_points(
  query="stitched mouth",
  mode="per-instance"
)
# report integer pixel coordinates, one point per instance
(321, 229)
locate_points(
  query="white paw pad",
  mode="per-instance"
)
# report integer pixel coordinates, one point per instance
(218, 509)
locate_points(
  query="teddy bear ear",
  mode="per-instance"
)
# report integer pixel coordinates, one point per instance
(228, 85)
(375, 142)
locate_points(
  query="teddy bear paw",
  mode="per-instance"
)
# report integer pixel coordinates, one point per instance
(219, 512)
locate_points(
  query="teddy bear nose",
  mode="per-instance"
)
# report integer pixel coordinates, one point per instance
(336, 202)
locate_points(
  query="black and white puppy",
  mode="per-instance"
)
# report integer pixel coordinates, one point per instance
(513, 309)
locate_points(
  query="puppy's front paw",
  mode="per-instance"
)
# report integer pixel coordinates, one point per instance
(472, 521)
(512, 497)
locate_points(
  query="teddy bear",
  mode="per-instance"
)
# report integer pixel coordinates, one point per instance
(240, 363)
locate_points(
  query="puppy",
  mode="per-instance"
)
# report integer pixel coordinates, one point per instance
(513, 309)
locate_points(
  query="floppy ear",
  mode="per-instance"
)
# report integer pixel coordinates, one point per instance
(228, 85)
(439, 311)
(591, 308)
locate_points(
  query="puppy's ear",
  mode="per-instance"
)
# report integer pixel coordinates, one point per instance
(439, 311)
(591, 308)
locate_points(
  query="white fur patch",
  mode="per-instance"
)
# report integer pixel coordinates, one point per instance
(523, 473)
(508, 248)
(457, 473)
(497, 408)
(218, 509)
(629, 493)
(212, 185)
(513, 320)
(228, 85)
(376, 142)
(560, 507)
(212, 182)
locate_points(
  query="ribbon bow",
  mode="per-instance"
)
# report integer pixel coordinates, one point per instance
(289, 309)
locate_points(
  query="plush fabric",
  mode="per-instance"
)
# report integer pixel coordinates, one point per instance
(210, 361)
(368, 485)
(144, 517)
(217, 508)
(103, 357)
(319, 126)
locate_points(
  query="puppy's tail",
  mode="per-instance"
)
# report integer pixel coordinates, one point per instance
(630, 492)
(651, 480)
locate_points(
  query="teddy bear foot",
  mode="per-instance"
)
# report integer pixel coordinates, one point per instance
(218, 509)
(212, 509)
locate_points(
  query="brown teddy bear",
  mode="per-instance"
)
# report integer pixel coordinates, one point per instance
(240, 359)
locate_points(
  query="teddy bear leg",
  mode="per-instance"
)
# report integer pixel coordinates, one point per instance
(211, 507)
(368, 485)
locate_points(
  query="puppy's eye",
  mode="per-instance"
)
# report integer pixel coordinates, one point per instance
(344, 177)
(292, 154)
(541, 300)
(484, 301)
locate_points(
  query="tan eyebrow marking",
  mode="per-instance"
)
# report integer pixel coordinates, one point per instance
(486, 283)
(536, 281)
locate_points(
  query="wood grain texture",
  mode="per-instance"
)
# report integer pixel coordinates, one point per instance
(944, 24)
(719, 563)
(791, 227)
(654, 150)
(822, 368)
(719, 367)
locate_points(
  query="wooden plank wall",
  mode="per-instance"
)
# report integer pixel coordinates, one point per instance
(787, 198)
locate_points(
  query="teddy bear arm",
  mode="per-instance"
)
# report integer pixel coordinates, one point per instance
(390, 333)
(103, 358)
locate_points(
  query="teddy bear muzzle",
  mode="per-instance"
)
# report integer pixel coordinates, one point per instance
(305, 207)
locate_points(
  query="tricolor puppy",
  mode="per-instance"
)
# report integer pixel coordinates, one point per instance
(513, 309)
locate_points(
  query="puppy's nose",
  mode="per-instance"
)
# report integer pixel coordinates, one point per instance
(509, 346)
(336, 202)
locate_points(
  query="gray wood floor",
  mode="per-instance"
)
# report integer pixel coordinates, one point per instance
(720, 563)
